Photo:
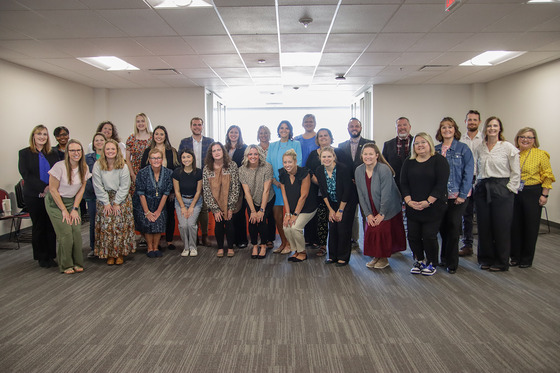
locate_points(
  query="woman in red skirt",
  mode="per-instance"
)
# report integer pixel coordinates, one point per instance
(381, 203)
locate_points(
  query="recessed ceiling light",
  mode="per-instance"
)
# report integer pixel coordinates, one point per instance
(300, 59)
(340, 77)
(261, 61)
(108, 63)
(491, 58)
(170, 4)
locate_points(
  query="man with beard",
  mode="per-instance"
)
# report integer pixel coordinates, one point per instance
(350, 156)
(473, 138)
(398, 149)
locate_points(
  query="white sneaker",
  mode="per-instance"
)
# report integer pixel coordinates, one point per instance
(194, 252)
(185, 252)
(371, 264)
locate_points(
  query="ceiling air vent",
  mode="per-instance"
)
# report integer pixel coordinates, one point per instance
(433, 68)
(164, 72)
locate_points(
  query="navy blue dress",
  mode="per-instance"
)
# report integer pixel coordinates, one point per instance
(154, 192)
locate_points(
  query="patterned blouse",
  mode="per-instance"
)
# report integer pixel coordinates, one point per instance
(535, 168)
(331, 185)
(255, 179)
(233, 194)
(136, 148)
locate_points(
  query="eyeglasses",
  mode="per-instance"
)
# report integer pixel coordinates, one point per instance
(156, 158)
(75, 150)
(526, 138)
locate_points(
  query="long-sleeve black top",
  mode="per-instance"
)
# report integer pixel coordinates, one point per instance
(419, 180)
(28, 166)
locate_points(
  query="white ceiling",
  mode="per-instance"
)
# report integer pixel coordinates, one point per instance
(369, 41)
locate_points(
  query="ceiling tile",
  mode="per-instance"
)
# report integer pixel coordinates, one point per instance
(210, 44)
(222, 60)
(249, 20)
(138, 22)
(475, 17)
(82, 23)
(291, 43)
(184, 62)
(521, 19)
(112, 4)
(290, 16)
(439, 42)
(377, 59)
(32, 48)
(486, 42)
(252, 60)
(166, 45)
(348, 42)
(416, 18)
(256, 43)
(394, 42)
(228, 72)
(363, 18)
(338, 59)
(120, 47)
(260, 72)
(148, 62)
(193, 21)
(32, 24)
(52, 5)
(197, 73)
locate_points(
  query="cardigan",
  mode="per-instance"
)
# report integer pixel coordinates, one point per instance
(384, 191)
(345, 190)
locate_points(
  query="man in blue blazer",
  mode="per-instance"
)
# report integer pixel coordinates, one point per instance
(350, 152)
(199, 145)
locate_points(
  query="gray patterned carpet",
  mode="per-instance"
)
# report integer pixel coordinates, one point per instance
(206, 314)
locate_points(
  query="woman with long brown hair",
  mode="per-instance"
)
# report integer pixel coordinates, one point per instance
(67, 184)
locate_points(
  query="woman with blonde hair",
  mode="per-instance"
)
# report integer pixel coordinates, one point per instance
(114, 222)
(381, 203)
(255, 176)
(424, 186)
(537, 179)
(295, 182)
(136, 143)
(34, 164)
(67, 184)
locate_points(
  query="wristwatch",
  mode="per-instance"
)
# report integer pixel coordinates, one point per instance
(295, 214)
(261, 210)
(75, 208)
(340, 210)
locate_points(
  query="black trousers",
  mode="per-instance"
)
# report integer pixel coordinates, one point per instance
(494, 210)
(271, 226)
(468, 221)
(526, 223)
(170, 225)
(340, 233)
(224, 227)
(43, 238)
(240, 224)
(422, 238)
(262, 227)
(450, 230)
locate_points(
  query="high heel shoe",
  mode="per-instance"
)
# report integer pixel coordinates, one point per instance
(263, 251)
(254, 254)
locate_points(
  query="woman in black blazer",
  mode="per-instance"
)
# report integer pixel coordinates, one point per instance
(339, 194)
(236, 150)
(34, 164)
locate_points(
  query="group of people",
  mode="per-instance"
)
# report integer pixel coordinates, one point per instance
(300, 187)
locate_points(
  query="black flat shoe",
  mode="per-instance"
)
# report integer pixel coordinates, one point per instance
(261, 256)
(525, 266)
(338, 264)
(484, 266)
(52, 263)
(498, 269)
(329, 261)
(254, 256)
(171, 247)
(44, 263)
(513, 263)
(451, 271)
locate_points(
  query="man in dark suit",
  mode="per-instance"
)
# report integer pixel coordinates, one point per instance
(350, 152)
(199, 145)
(398, 149)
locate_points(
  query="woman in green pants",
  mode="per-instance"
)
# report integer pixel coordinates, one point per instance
(67, 183)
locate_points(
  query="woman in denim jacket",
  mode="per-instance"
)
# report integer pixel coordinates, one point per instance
(461, 169)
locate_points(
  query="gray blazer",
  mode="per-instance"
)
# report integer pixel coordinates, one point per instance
(384, 191)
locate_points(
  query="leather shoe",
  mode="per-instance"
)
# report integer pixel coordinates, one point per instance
(465, 250)
(484, 266)
(451, 271)
(525, 266)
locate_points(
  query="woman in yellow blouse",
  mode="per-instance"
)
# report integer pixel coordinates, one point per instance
(536, 182)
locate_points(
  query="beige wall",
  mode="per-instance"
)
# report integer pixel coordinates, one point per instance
(29, 97)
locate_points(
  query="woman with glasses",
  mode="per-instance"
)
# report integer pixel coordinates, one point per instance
(67, 184)
(34, 164)
(497, 182)
(537, 179)
(160, 140)
(153, 186)
(424, 186)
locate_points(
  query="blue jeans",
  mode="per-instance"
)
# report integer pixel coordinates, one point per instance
(188, 227)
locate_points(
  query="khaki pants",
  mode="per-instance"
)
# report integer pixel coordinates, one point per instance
(294, 234)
